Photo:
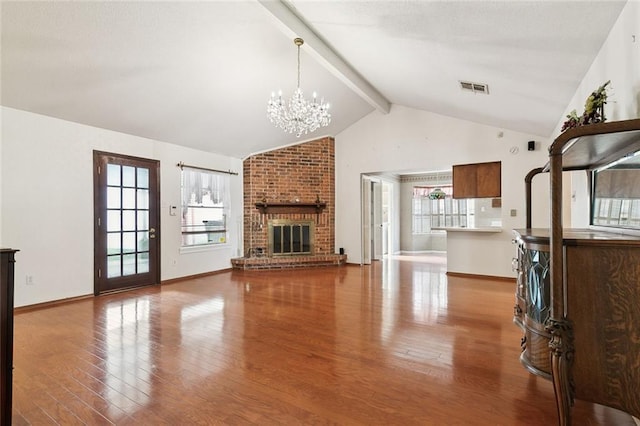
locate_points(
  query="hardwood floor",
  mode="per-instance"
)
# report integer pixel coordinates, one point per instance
(395, 343)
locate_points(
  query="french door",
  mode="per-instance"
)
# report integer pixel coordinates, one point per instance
(126, 222)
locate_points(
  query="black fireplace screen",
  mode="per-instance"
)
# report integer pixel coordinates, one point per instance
(287, 238)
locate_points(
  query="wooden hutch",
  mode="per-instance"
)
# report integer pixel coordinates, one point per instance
(578, 290)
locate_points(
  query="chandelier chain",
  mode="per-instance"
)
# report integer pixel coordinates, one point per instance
(298, 86)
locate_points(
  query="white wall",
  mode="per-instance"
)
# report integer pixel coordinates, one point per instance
(47, 203)
(411, 140)
(618, 61)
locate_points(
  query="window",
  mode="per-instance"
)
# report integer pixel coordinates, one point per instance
(616, 212)
(616, 194)
(205, 203)
(431, 213)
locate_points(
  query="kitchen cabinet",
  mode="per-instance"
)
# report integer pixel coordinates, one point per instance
(479, 180)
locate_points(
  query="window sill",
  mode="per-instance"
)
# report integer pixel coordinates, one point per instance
(434, 231)
(203, 248)
(489, 229)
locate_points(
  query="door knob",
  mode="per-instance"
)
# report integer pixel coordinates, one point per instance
(152, 232)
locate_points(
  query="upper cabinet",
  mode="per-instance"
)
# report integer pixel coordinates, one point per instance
(478, 180)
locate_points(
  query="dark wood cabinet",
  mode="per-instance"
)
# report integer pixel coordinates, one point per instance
(581, 322)
(479, 180)
(7, 259)
(602, 280)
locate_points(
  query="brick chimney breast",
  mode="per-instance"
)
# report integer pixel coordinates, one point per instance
(302, 173)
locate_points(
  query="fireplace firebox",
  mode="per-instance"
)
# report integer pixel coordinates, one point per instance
(290, 237)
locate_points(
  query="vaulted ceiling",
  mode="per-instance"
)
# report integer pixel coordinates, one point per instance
(199, 74)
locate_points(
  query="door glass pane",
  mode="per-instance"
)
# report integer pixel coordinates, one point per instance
(128, 176)
(113, 266)
(129, 264)
(113, 198)
(113, 220)
(143, 262)
(143, 198)
(143, 241)
(128, 198)
(129, 220)
(143, 220)
(143, 178)
(113, 243)
(128, 242)
(113, 175)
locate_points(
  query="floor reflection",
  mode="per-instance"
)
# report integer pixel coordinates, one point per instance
(202, 326)
(429, 295)
(128, 353)
(414, 295)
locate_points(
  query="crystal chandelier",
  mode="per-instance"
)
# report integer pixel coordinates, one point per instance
(298, 115)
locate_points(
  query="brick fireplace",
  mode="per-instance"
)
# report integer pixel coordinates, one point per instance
(295, 185)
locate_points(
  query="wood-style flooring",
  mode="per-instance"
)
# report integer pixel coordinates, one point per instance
(394, 343)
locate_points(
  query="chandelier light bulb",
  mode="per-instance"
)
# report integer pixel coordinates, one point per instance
(298, 115)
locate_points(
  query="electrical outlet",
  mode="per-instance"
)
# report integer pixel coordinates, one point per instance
(29, 280)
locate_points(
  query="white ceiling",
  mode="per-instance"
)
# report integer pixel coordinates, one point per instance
(199, 74)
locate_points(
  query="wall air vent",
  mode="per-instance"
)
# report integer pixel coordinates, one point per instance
(468, 86)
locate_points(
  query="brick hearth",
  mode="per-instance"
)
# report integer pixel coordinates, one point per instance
(288, 261)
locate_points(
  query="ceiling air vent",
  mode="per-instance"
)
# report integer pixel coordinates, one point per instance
(474, 87)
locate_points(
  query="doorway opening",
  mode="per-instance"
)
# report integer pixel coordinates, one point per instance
(392, 220)
(406, 213)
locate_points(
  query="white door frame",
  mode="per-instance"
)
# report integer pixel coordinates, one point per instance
(376, 220)
(365, 219)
